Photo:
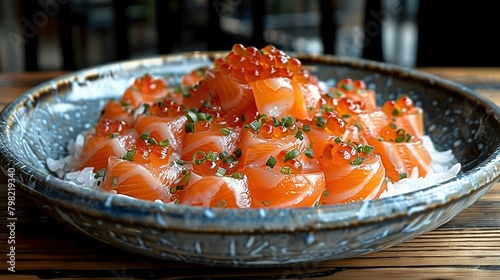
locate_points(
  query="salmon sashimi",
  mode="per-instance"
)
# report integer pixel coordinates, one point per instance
(401, 158)
(226, 140)
(274, 96)
(282, 96)
(272, 188)
(115, 110)
(257, 147)
(216, 191)
(372, 123)
(163, 128)
(350, 182)
(255, 130)
(234, 96)
(139, 180)
(111, 138)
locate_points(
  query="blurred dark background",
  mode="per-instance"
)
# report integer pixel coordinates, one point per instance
(74, 34)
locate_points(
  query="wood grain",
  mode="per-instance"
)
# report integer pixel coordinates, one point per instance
(467, 247)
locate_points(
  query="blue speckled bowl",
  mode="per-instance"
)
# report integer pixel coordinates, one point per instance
(38, 125)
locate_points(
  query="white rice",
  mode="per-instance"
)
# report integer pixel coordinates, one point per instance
(444, 167)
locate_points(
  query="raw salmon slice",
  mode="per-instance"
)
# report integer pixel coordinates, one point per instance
(160, 128)
(216, 191)
(140, 181)
(348, 183)
(234, 96)
(273, 189)
(210, 140)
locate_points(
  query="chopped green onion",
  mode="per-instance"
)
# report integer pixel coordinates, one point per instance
(164, 142)
(263, 118)
(191, 116)
(220, 172)
(100, 174)
(255, 125)
(288, 121)
(393, 126)
(173, 190)
(271, 161)
(306, 127)
(286, 170)
(368, 149)
(299, 135)
(201, 116)
(225, 131)
(237, 175)
(199, 157)
(402, 175)
(238, 153)
(291, 155)
(329, 94)
(326, 193)
(115, 181)
(224, 154)
(395, 112)
(309, 153)
(320, 122)
(186, 176)
(357, 161)
(145, 136)
(189, 127)
(114, 135)
(346, 116)
(129, 155)
(347, 87)
(212, 156)
(180, 162)
(337, 140)
(206, 103)
(153, 141)
(400, 139)
(229, 160)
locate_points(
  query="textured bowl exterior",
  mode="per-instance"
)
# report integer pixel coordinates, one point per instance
(38, 125)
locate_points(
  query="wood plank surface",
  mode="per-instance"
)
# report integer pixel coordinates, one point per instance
(467, 247)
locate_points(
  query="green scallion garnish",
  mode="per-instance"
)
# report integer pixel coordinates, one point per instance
(129, 155)
(220, 172)
(199, 157)
(291, 155)
(286, 170)
(271, 161)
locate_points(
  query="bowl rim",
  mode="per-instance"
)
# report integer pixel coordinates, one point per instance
(188, 218)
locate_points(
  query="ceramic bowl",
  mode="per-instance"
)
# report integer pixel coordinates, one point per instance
(38, 125)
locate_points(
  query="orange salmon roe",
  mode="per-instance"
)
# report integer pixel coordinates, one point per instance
(401, 106)
(250, 64)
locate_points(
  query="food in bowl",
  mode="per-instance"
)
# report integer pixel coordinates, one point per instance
(255, 129)
(39, 124)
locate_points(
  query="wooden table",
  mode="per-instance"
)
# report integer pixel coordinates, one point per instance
(467, 247)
